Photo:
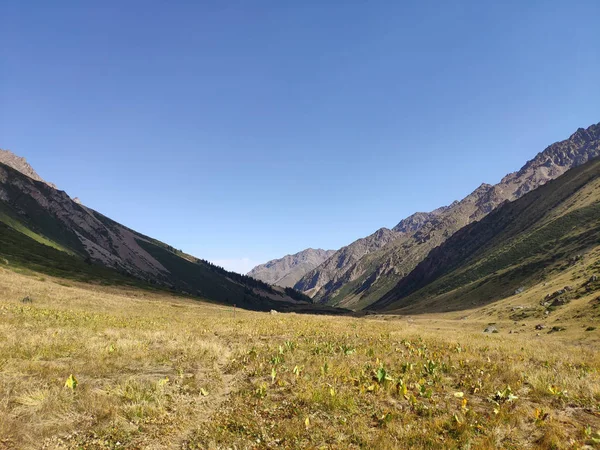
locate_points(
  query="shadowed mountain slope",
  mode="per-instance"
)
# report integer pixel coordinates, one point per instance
(44, 229)
(518, 245)
(366, 270)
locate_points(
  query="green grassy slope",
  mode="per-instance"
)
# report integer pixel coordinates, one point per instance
(38, 223)
(24, 254)
(367, 277)
(39, 232)
(199, 277)
(202, 279)
(8, 218)
(518, 245)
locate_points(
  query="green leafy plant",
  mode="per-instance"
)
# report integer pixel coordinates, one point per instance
(261, 390)
(347, 350)
(557, 392)
(383, 419)
(430, 368)
(591, 437)
(71, 382)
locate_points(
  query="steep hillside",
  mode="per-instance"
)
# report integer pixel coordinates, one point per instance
(330, 275)
(45, 230)
(287, 271)
(361, 277)
(520, 246)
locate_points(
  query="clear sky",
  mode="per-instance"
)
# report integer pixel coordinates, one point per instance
(241, 131)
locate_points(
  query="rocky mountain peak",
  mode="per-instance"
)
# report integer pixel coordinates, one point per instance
(415, 221)
(561, 156)
(586, 134)
(19, 163)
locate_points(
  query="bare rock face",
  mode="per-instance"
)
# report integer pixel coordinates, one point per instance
(106, 242)
(555, 160)
(415, 221)
(19, 163)
(29, 203)
(365, 270)
(286, 271)
(102, 240)
(344, 265)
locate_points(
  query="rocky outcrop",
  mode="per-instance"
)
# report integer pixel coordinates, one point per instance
(344, 265)
(19, 163)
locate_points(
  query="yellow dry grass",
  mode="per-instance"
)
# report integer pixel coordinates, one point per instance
(156, 371)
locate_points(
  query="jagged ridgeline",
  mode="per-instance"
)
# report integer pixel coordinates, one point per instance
(363, 272)
(518, 245)
(44, 230)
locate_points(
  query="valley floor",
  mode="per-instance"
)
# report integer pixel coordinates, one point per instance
(153, 371)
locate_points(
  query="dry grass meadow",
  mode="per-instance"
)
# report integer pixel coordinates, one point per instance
(91, 367)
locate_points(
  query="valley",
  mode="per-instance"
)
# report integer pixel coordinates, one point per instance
(90, 366)
(481, 332)
(361, 273)
(300, 225)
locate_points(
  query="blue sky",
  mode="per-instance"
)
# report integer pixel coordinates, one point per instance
(243, 131)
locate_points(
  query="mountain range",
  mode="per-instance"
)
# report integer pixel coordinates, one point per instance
(288, 270)
(521, 244)
(497, 240)
(366, 270)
